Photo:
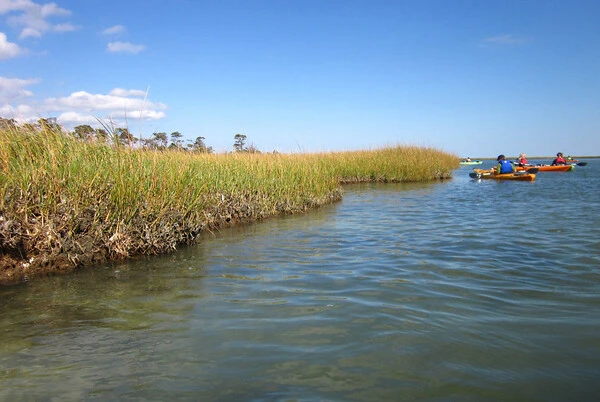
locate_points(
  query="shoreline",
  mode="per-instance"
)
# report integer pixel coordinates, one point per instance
(71, 253)
(67, 203)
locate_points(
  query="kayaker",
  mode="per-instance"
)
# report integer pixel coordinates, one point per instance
(559, 160)
(504, 166)
(467, 159)
(521, 160)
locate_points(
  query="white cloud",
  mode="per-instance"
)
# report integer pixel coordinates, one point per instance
(30, 32)
(21, 113)
(505, 40)
(114, 30)
(119, 106)
(75, 118)
(12, 5)
(13, 89)
(83, 100)
(125, 47)
(50, 9)
(65, 27)
(33, 17)
(8, 49)
(127, 92)
(152, 115)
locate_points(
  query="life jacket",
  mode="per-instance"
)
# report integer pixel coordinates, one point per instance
(559, 161)
(505, 166)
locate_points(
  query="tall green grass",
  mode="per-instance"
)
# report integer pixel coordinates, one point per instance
(66, 203)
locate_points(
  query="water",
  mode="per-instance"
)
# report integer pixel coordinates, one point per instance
(463, 290)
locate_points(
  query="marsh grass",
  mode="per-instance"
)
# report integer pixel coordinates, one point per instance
(65, 203)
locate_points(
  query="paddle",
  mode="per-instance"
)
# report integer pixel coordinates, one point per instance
(532, 170)
(581, 164)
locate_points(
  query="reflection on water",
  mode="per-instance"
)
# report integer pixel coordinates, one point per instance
(460, 290)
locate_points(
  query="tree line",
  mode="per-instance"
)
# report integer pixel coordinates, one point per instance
(120, 136)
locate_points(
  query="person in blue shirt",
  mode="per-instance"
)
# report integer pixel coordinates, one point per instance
(504, 166)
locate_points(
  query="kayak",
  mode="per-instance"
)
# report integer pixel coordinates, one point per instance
(471, 162)
(547, 168)
(489, 174)
(504, 176)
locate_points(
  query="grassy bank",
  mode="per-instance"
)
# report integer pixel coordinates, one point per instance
(66, 203)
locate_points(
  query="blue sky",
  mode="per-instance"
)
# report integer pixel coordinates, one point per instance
(476, 78)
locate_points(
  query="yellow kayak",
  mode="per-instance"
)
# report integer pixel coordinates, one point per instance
(492, 175)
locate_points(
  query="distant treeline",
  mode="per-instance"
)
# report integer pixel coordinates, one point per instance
(122, 136)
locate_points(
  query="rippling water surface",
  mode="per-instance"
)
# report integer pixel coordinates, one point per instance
(461, 290)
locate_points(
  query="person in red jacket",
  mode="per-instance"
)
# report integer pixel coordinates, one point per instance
(521, 160)
(559, 160)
